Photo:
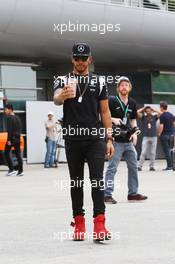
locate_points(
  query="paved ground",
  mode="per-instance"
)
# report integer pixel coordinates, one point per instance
(35, 213)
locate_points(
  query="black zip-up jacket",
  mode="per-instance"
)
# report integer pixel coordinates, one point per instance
(13, 127)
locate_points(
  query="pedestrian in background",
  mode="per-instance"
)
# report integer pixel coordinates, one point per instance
(149, 118)
(13, 140)
(123, 112)
(50, 139)
(165, 131)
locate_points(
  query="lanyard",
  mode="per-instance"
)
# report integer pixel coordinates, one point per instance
(84, 90)
(121, 104)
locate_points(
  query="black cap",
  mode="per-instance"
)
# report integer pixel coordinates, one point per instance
(81, 49)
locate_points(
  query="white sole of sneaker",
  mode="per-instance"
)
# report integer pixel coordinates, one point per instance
(19, 175)
(11, 173)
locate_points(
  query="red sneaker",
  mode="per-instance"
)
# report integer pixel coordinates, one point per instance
(79, 228)
(100, 232)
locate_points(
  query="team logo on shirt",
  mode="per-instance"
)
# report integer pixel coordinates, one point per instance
(92, 83)
(92, 86)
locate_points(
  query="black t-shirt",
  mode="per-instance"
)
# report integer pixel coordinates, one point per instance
(81, 119)
(167, 120)
(118, 111)
(13, 127)
(149, 125)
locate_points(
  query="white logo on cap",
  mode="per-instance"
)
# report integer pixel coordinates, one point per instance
(81, 48)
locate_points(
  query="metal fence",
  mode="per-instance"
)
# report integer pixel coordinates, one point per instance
(164, 5)
(167, 5)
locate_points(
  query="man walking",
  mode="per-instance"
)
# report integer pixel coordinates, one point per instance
(165, 130)
(149, 119)
(84, 97)
(13, 140)
(123, 112)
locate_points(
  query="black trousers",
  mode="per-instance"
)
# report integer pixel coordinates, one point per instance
(16, 145)
(165, 140)
(93, 151)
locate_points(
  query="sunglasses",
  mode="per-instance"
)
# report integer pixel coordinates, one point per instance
(82, 58)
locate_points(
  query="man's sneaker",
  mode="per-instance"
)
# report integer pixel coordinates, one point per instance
(100, 232)
(79, 228)
(152, 169)
(167, 168)
(20, 173)
(11, 172)
(110, 200)
(137, 197)
(52, 166)
(139, 168)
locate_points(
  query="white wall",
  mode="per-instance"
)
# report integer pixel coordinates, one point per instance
(36, 115)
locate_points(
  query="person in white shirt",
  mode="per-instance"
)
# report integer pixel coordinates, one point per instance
(50, 126)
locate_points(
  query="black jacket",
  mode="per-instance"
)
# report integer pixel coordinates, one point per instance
(13, 127)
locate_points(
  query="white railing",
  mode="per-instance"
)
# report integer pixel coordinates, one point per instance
(166, 5)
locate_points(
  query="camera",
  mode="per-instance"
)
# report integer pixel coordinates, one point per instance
(124, 131)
